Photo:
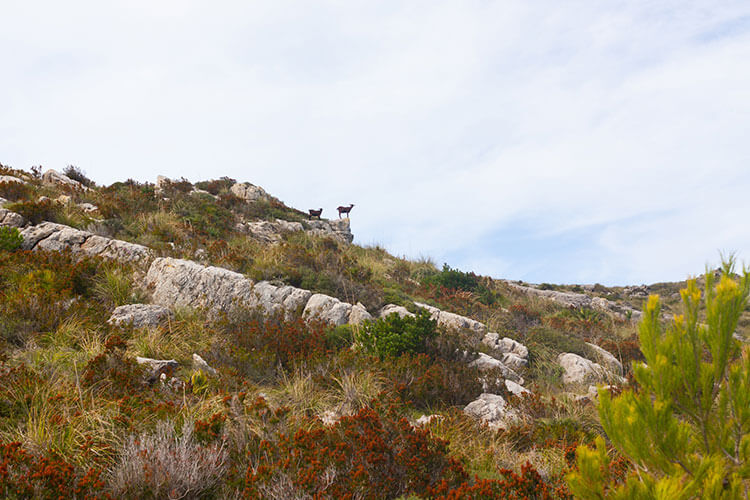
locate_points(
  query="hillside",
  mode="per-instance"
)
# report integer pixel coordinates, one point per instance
(207, 341)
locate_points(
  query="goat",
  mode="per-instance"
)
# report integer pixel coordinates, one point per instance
(315, 213)
(345, 210)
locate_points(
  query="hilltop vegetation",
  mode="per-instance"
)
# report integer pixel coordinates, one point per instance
(280, 405)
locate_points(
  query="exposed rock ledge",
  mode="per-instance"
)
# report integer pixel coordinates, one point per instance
(273, 231)
(57, 237)
(580, 300)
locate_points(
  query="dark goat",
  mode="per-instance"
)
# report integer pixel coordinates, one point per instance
(315, 213)
(345, 210)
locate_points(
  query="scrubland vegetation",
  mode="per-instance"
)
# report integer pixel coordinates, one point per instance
(305, 410)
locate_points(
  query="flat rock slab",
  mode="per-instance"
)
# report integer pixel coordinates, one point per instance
(139, 315)
(58, 237)
(452, 321)
(184, 283)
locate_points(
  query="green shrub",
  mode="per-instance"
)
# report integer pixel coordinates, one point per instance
(339, 337)
(10, 239)
(394, 335)
(38, 211)
(453, 279)
(687, 428)
(558, 341)
(15, 191)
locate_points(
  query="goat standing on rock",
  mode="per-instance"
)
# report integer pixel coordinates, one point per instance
(345, 210)
(315, 213)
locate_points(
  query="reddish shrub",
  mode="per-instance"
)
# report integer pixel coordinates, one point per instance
(363, 456)
(25, 475)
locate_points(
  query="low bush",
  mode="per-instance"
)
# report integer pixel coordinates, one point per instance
(216, 186)
(79, 175)
(453, 279)
(10, 239)
(394, 335)
(38, 211)
(15, 191)
(367, 455)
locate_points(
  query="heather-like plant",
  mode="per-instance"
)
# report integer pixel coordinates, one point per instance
(687, 427)
(394, 335)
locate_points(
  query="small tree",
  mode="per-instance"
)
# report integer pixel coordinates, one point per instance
(686, 425)
(10, 239)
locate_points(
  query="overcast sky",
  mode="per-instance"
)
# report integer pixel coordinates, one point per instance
(567, 142)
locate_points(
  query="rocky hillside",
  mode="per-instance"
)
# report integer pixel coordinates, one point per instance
(207, 341)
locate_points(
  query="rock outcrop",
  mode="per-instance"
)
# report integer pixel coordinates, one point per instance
(274, 231)
(8, 218)
(580, 301)
(492, 410)
(57, 237)
(452, 321)
(139, 315)
(275, 299)
(606, 359)
(393, 308)
(10, 178)
(512, 353)
(485, 362)
(515, 388)
(329, 309)
(183, 283)
(250, 192)
(55, 178)
(578, 370)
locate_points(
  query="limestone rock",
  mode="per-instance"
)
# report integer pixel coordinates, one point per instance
(3, 201)
(249, 192)
(452, 321)
(485, 363)
(273, 299)
(270, 232)
(88, 207)
(491, 409)
(55, 178)
(8, 218)
(57, 237)
(359, 315)
(606, 359)
(339, 229)
(506, 345)
(515, 388)
(328, 309)
(200, 364)
(183, 283)
(160, 368)
(139, 315)
(63, 199)
(427, 420)
(393, 308)
(10, 178)
(579, 370)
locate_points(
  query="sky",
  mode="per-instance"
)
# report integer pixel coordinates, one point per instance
(544, 141)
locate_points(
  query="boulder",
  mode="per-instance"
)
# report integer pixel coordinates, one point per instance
(506, 345)
(270, 232)
(579, 370)
(88, 207)
(10, 178)
(200, 364)
(393, 308)
(359, 315)
(63, 199)
(274, 299)
(249, 192)
(606, 359)
(139, 315)
(57, 237)
(8, 218)
(328, 309)
(183, 283)
(452, 321)
(160, 368)
(485, 363)
(515, 388)
(55, 178)
(339, 229)
(492, 410)
(514, 361)
(3, 201)
(427, 420)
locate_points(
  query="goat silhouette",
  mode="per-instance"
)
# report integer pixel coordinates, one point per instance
(345, 210)
(315, 213)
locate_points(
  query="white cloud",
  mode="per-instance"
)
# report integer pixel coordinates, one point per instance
(446, 123)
